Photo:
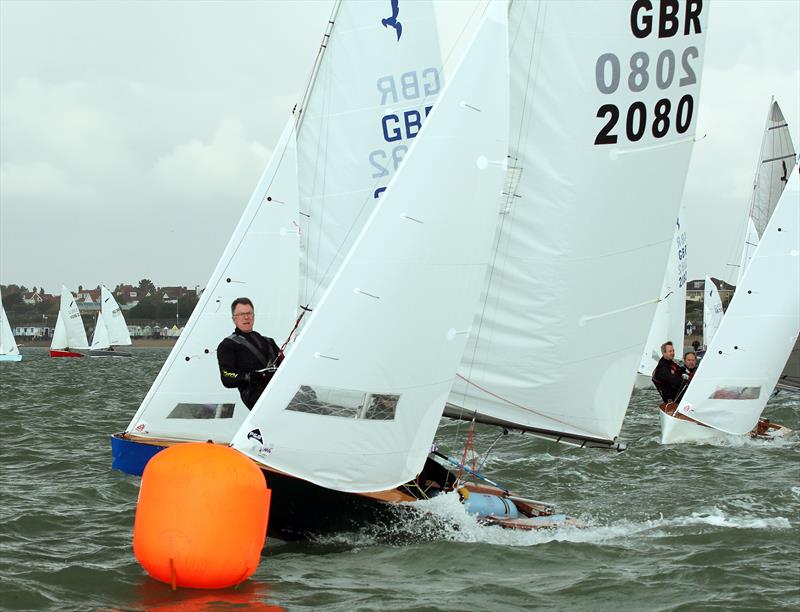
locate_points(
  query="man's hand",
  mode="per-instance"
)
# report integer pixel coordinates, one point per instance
(685, 376)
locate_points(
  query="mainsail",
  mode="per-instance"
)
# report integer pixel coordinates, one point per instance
(355, 405)
(603, 113)
(118, 334)
(712, 310)
(373, 87)
(8, 345)
(670, 318)
(760, 328)
(69, 331)
(776, 161)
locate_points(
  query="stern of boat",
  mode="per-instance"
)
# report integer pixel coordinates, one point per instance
(676, 427)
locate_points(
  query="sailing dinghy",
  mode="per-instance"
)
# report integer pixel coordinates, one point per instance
(688, 420)
(69, 336)
(366, 379)
(755, 339)
(8, 345)
(110, 330)
(348, 421)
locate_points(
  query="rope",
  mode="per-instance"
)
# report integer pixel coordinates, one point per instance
(305, 309)
(510, 403)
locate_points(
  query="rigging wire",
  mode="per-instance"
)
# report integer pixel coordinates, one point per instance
(530, 84)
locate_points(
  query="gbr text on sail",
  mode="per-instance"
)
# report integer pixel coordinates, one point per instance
(670, 71)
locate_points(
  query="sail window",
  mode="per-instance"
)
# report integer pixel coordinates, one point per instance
(736, 393)
(344, 403)
(201, 411)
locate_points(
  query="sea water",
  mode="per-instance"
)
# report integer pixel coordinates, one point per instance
(683, 527)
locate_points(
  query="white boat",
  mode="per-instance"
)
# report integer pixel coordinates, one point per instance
(69, 337)
(8, 345)
(110, 331)
(775, 167)
(669, 321)
(712, 311)
(394, 282)
(744, 361)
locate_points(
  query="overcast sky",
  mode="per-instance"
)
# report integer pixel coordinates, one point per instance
(132, 133)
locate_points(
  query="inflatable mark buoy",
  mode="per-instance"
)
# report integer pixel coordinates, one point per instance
(201, 520)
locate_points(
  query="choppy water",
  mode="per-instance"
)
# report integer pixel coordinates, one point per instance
(670, 528)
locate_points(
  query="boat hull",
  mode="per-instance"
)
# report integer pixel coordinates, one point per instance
(56, 353)
(106, 353)
(10, 357)
(300, 510)
(677, 428)
(643, 381)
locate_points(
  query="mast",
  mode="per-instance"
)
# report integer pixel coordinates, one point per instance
(299, 108)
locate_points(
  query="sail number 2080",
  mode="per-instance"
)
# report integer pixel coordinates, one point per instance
(662, 73)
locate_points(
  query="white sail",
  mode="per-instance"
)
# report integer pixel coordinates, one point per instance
(187, 399)
(749, 247)
(600, 145)
(776, 161)
(118, 334)
(69, 330)
(790, 377)
(357, 402)
(742, 365)
(375, 83)
(670, 318)
(59, 340)
(8, 345)
(712, 311)
(100, 340)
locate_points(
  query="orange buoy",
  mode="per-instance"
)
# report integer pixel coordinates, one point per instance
(202, 516)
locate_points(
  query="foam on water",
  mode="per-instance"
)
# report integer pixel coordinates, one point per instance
(443, 518)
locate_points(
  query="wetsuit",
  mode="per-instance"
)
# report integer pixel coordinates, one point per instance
(668, 379)
(239, 365)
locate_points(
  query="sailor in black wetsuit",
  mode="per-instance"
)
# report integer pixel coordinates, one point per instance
(668, 376)
(247, 360)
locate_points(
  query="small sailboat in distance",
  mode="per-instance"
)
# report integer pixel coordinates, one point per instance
(69, 336)
(111, 330)
(8, 346)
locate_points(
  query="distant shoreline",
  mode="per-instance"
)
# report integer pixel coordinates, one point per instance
(137, 342)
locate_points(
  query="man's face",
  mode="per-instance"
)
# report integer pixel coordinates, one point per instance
(691, 361)
(244, 317)
(669, 352)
